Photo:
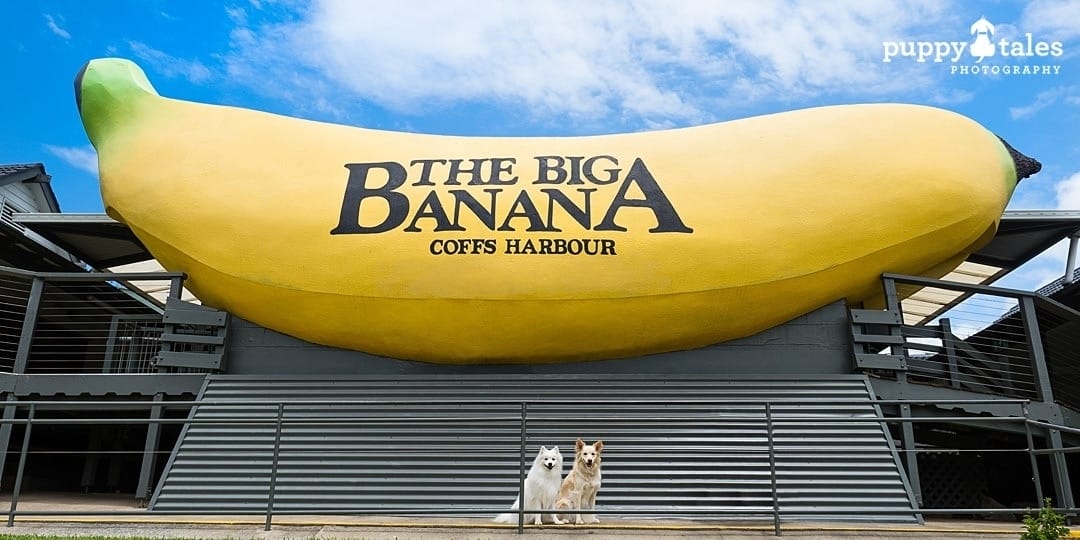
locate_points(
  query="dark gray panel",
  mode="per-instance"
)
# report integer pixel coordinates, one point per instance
(418, 444)
(101, 385)
(815, 343)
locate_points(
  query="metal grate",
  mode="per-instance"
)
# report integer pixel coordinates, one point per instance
(689, 445)
(133, 342)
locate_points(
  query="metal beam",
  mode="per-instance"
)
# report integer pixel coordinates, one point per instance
(5, 430)
(911, 460)
(1035, 349)
(145, 384)
(26, 338)
(1062, 486)
(153, 438)
(92, 276)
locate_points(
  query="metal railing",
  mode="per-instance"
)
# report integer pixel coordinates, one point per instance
(90, 322)
(754, 414)
(996, 341)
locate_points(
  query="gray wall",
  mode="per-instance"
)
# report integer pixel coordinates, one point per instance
(818, 342)
(24, 197)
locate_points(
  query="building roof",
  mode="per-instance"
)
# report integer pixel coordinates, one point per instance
(1023, 234)
(31, 173)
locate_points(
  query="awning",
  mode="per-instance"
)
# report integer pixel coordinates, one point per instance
(1022, 235)
(97, 239)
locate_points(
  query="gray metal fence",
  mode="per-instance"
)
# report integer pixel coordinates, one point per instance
(995, 341)
(79, 323)
(273, 464)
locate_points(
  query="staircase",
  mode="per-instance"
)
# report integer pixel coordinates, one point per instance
(689, 447)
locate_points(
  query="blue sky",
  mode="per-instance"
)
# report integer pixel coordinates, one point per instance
(553, 68)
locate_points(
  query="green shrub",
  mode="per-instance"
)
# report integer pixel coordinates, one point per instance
(1046, 525)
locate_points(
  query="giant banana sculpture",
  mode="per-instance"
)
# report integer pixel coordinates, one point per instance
(527, 250)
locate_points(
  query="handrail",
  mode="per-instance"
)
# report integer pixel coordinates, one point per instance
(515, 410)
(91, 276)
(703, 402)
(977, 289)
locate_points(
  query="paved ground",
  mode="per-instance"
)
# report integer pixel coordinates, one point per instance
(81, 522)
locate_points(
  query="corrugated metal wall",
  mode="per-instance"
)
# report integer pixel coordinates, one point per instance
(424, 444)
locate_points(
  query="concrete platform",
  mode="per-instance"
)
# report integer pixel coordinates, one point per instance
(118, 516)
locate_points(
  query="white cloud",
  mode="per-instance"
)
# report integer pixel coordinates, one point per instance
(81, 157)
(1052, 19)
(1068, 193)
(1039, 271)
(171, 66)
(1044, 99)
(237, 15)
(1050, 264)
(55, 28)
(644, 61)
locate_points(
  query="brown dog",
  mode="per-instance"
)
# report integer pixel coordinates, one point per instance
(579, 488)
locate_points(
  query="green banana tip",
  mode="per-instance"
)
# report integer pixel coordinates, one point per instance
(118, 77)
(109, 91)
(1024, 165)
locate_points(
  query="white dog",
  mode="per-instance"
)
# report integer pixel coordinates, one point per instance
(541, 487)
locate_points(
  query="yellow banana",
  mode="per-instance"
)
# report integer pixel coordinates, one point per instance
(529, 250)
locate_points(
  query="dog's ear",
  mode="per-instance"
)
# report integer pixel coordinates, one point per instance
(599, 446)
(579, 444)
(555, 448)
(543, 449)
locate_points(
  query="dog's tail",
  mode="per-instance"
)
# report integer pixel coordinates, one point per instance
(510, 517)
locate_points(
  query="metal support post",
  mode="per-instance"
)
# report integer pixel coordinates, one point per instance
(1062, 486)
(153, 438)
(176, 285)
(26, 337)
(892, 302)
(1035, 348)
(1031, 454)
(772, 468)
(911, 457)
(274, 465)
(892, 299)
(521, 473)
(1070, 261)
(91, 461)
(5, 429)
(22, 467)
(948, 341)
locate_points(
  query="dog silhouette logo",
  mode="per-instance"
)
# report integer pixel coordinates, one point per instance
(982, 47)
